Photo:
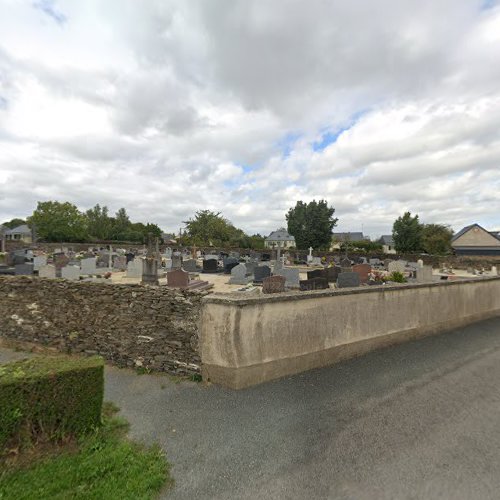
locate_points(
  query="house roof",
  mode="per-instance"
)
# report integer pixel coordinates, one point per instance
(280, 235)
(22, 229)
(462, 231)
(357, 236)
(387, 239)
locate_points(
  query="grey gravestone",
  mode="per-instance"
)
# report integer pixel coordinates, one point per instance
(273, 284)
(149, 271)
(211, 257)
(250, 267)
(39, 261)
(347, 280)
(315, 261)
(190, 266)
(18, 260)
(70, 273)
(120, 262)
(239, 275)
(292, 276)
(260, 273)
(424, 274)
(375, 262)
(387, 262)
(346, 264)
(134, 268)
(210, 266)
(313, 284)
(176, 261)
(397, 266)
(23, 269)
(47, 271)
(88, 266)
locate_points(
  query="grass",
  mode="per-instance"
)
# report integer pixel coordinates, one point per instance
(101, 465)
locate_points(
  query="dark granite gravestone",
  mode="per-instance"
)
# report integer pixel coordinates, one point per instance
(313, 284)
(210, 266)
(129, 256)
(229, 263)
(23, 269)
(266, 257)
(18, 260)
(332, 273)
(190, 266)
(347, 280)
(260, 273)
(316, 273)
(363, 270)
(273, 284)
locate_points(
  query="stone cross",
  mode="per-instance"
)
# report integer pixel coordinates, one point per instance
(310, 251)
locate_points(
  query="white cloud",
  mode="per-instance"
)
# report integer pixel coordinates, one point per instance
(168, 107)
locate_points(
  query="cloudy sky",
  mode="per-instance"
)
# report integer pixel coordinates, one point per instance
(246, 106)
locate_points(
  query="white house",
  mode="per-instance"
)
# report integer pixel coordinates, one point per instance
(279, 238)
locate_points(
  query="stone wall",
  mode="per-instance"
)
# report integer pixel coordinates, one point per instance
(129, 325)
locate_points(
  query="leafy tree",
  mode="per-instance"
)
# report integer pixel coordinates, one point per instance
(55, 221)
(209, 228)
(407, 234)
(436, 239)
(13, 223)
(99, 223)
(311, 224)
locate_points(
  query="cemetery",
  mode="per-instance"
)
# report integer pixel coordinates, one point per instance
(150, 308)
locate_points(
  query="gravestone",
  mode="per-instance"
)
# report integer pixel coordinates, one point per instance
(168, 252)
(266, 257)
(229, 263)
(239, 275)
(178, 279)
(315, 261)
(88, 266)
(420, 263)
(23, 269)
(60, 260)
(210, 266)
(346, 265)
(18, 260)
(176, 261)
(494, 271)
(273, 284)
(47, 271)
(134, 268)
(292, 276)
(332, 273)
(375, 262)
(39, 261)
(211, 257)
(260, 273)
(313, 284)
(316, 273)
(70, 273)
(129, 256)
(387, 262)
(120, 262)
(250, 267)
(363, 270)
(347, 280)
(278, 266)
(397, 266)
(149, 271)
(424, 274)
(190, 266)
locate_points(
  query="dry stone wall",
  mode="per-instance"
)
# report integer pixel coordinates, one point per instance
(129, 325)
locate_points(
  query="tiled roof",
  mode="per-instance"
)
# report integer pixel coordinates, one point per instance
(280, 235)
(22, 229)
(348, 236)
(387, 239)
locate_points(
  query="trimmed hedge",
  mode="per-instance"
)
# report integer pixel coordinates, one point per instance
(49, 398)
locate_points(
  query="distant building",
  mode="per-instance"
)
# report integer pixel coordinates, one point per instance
(339, 238)
(475, 240)
(20, 233)
(387, 243)
(279, 238)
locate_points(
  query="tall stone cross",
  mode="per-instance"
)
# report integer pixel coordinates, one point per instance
(310, 251)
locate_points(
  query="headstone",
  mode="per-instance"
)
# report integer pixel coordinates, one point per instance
(88, 266)
(315, 261)
(120, 262)
(420, 263)
(70, 273)
(47, 271)
(363, 271)
(316, 273)
(239, 275)
(210, 266)
(260, 273)
(387, 262)
(375, 262)
(229, 263)
(60, 260)
(292, 276)
(347, 280)
(250, 267)
(149, 271)
(332, 273)
(18, 260)
(129, 256)
(494, 271)
(266, 257)
(424, 274)
(23, 269)
(176, 261)
(278, 266)
(178, 279)
(397, 266)
(190, 266)
(39, 261)
(211, 257)
(273, 284)
(346, 265)
(313, 284)
(134, 268)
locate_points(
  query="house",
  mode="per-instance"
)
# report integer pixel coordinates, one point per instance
(20, 233)
(339, 238)
(475, 240)
(387, 244)
(279, 238)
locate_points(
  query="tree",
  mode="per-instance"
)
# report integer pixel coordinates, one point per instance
(208, 228)
(56, 221)
(407, 234)
(436, 239)
(13, 223)
(311, 224)
(99, 223)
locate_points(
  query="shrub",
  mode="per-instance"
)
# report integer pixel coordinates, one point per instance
(49, 398)
(397, 277)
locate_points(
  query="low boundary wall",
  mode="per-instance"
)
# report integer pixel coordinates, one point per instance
(249, 340)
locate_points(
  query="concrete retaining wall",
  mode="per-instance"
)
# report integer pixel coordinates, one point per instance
(246, 341)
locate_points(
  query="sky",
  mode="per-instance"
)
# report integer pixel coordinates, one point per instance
(246, 106)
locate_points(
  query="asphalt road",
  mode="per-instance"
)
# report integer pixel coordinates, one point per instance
(416, 421)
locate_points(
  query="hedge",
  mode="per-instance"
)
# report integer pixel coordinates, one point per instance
(49, 398)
